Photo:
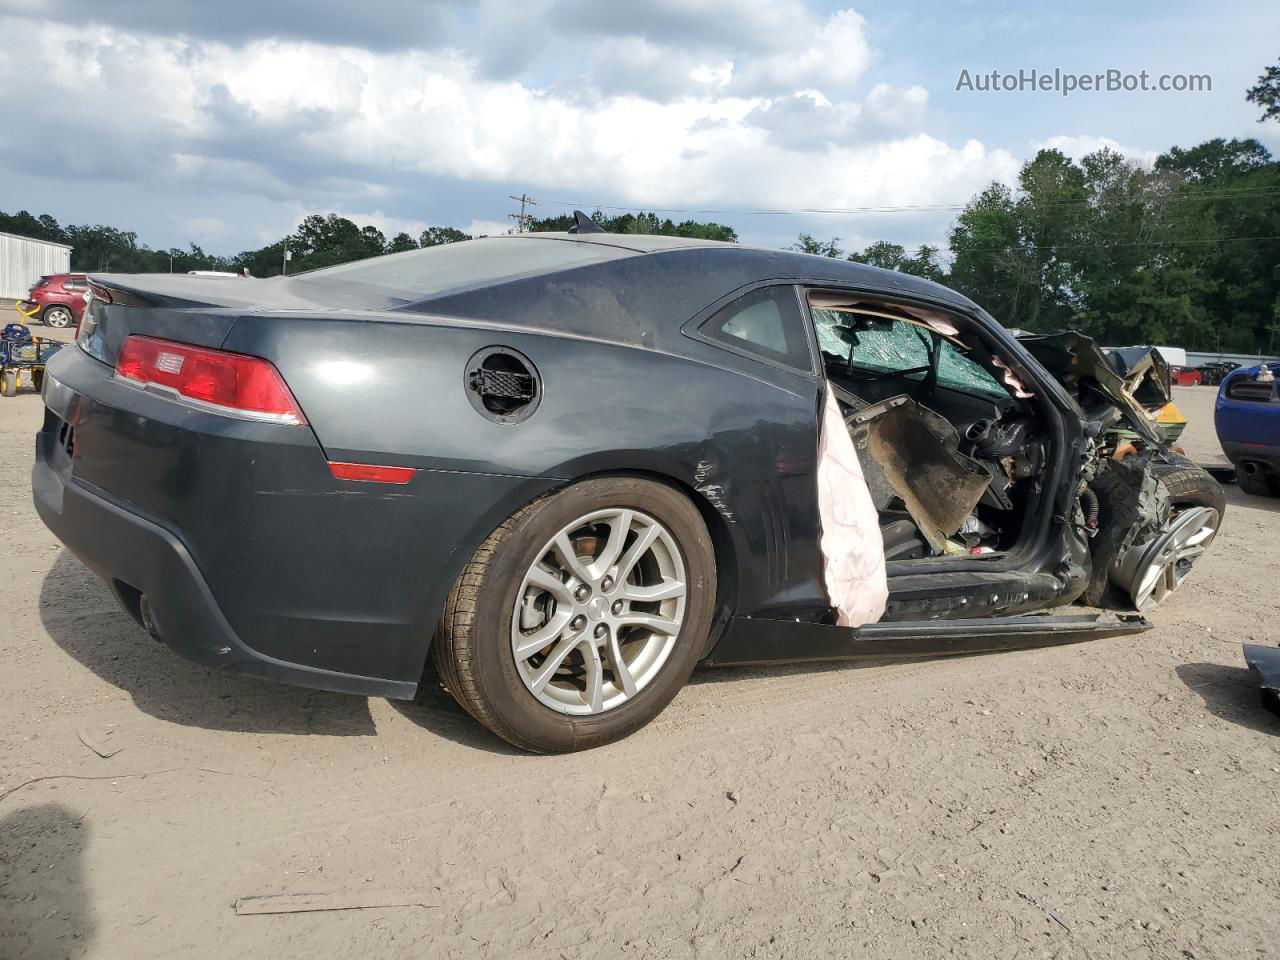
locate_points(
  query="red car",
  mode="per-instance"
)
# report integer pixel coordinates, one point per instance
(57, 300)
(1186, 376)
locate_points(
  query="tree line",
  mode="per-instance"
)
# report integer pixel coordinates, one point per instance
(319, 241)
(1185, 251)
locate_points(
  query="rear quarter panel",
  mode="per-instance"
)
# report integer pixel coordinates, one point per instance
(740, 437)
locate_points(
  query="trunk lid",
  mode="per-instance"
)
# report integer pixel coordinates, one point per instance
(201, 310)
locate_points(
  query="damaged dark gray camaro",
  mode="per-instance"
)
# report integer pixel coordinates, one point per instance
(570, 467)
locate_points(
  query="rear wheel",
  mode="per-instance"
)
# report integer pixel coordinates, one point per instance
(57, 316)
(1256, 481)
(580, 617)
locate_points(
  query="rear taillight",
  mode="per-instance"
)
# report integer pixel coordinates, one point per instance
(222, 382)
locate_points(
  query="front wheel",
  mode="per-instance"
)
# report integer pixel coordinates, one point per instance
(579, 619)
(1153, 568)
(59, 317)
(9, 383)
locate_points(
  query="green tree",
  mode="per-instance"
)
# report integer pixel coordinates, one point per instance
(434, 236)
(1048, 213)
(1214, 160)
(1229, 198)
(1266, 93)
(807, 243)
(882, 253)
(24, 224)
(642, 223)
(986, 248)
(926, 263)
(893, 256)
(402, 242)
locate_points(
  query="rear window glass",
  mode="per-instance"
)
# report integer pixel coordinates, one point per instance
(422, 274)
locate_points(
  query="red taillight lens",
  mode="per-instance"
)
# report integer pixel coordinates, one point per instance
(370, 472)
(230, 382)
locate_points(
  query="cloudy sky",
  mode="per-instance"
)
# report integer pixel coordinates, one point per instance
(224, 123)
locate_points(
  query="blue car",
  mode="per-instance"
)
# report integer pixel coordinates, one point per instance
(1247, 417)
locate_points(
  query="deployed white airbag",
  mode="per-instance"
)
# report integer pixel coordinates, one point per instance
(852, 549)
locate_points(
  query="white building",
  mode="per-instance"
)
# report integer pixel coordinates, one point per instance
(23, 261)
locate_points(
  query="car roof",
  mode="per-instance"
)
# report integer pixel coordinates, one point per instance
(636, 242)
(780, 263)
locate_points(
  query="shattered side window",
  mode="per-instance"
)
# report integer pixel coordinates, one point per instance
(825, 322)
(893, 346)
(896, 346)
(877, 345)
(957, 371)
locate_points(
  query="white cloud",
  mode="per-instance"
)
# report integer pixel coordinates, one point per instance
(276, 116)
(834, 54)
(712, 76)
(205, 230)
(897, 108)
(309, 127)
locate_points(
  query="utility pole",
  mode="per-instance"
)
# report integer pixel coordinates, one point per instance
(522, 219)
(284, 264)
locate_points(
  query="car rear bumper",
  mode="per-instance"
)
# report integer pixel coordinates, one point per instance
(1252, 452)
(250, 553)
(139, 558)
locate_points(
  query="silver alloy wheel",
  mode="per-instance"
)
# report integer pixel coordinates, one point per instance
(57, 317)
(599, 612)
(1157, 567)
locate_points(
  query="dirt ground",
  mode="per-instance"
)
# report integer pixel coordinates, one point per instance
(1110, 799)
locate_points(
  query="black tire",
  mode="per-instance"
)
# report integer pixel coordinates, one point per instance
(37, 380)
(471, 650)
(1116, 487)
(1190, 485)
(9, 385)
(1258, 483)
(57, 316)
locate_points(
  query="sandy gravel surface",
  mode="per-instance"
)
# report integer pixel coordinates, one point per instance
(1117, 798)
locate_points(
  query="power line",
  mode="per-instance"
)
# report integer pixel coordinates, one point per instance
(1104, 246)
(522, 219)
(949, 254)
(1225, 193)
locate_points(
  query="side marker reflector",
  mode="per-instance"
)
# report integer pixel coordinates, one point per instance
(371, 473)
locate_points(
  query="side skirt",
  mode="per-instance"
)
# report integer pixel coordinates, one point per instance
(750, 640)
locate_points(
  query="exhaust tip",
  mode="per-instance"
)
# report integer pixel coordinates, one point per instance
(148, 621)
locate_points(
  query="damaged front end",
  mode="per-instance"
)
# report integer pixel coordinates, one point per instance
(1152, 512)
(1124, 396)
(957, 452)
